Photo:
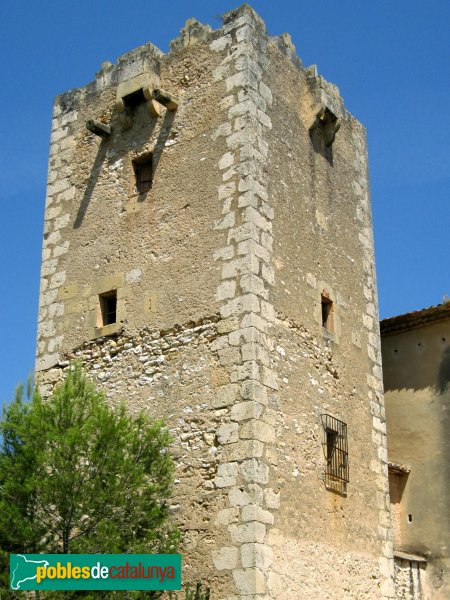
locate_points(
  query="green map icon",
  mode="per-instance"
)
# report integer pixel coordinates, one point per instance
(23, 569)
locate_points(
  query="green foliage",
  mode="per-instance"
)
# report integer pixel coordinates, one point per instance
(77, 475)
(197, 594)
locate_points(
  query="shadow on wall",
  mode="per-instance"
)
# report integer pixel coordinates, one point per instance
(102, 152)
(414, 376)
(319, 145)
(443, 377)
(92, 182)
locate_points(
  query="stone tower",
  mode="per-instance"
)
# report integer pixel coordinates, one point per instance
(208, 255)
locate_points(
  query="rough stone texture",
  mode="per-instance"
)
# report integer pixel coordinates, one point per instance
(410, 581)
(219, 271)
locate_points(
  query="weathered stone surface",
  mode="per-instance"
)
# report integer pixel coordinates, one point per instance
(225, 558)
(249, 581)
(226, 471)
(254, 470)
(227, 434)
(246, 410)
(240, 497)
(253, 512)
(219, 271)
(248, 532)
(271, 498)
(225, 395)
(256, 555)
(258, 430)
(243, 449)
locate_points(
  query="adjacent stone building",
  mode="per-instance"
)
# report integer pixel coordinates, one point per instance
(416, 368)
(208, 255)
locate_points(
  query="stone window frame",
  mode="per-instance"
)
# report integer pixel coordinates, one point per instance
(327, 306)
(114, 283)
(140, 163)
(102, 328)
(323, 290)
(137, 158)
(108, 308)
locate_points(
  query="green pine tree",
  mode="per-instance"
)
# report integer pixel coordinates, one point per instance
(77, 475)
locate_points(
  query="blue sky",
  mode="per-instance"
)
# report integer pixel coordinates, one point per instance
(389, 59)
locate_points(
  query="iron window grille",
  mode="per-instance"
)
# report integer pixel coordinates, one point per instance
(335, 447)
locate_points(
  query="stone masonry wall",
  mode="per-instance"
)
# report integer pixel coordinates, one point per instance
(100, 235)
(245, 475)
(323, 246)
(218, 304)
(410, 580)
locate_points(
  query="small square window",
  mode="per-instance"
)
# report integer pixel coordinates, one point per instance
(327, 312)
(108, 308)
(143, 171)
(335, 449)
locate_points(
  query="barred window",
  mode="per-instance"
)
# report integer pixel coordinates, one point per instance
(335, 447)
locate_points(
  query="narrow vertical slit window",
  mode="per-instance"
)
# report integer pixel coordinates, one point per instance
(108, 307)
(143, 172)
(331, 447)
(327, 313)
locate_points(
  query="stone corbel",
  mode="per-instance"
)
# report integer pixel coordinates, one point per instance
(145, 82)
(164, 98)
(154, 107)
(98, 128)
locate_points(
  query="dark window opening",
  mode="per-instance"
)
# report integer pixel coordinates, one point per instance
(322, 133)
(331, 446)
(335, 450)
(108, 307)
(410, 518)
(134, 99)
(327, 312)
(143, 171)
